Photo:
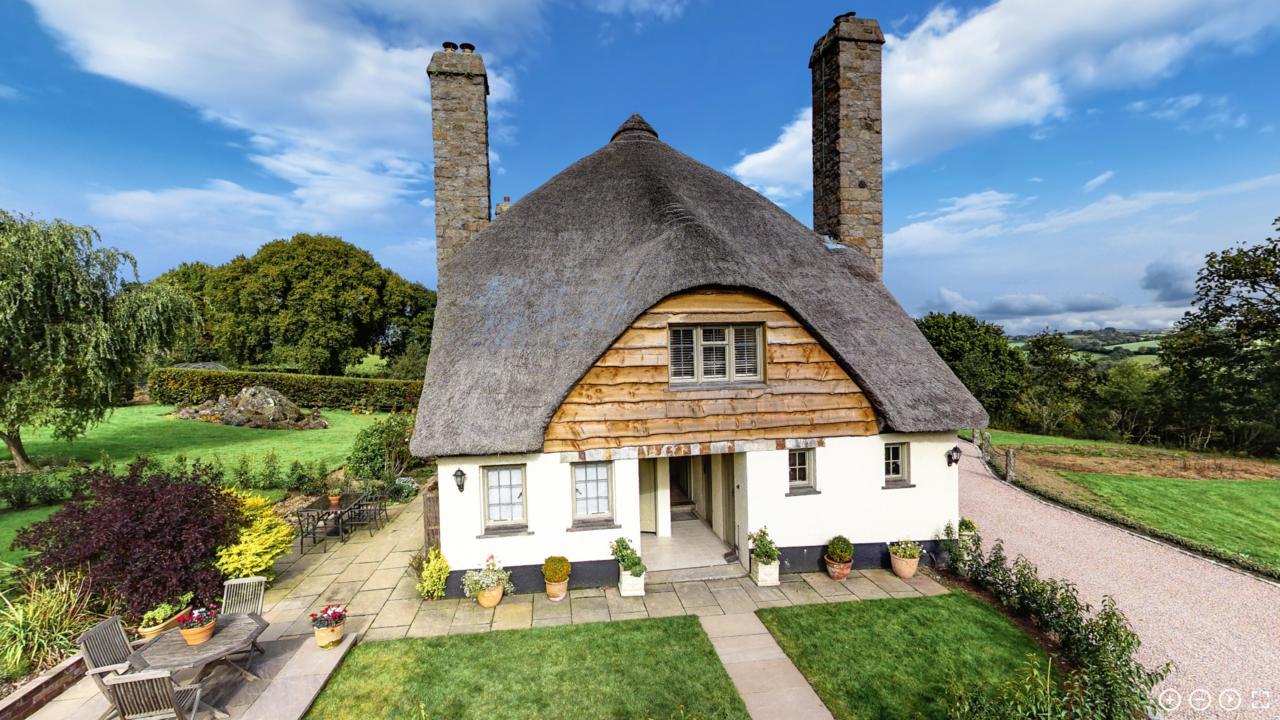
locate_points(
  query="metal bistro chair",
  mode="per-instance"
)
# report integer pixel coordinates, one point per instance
(370, 511)
(152, 695)
(308, 524)
(244, 596)
(106, 652)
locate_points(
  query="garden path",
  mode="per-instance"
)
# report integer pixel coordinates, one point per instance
(1219, 626)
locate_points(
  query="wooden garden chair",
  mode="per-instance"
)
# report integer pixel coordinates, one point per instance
(244, 596)
(106, 652)
(152, 695)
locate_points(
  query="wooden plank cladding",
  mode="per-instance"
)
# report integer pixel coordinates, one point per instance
(626, 399)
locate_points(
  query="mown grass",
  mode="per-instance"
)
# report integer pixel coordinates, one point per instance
(897, 658)
(1005, 438)
(1237, 516)
(11, 521)
(635, 669)
(145, 430)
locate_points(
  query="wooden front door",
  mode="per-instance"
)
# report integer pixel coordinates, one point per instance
(648, 496)
(729, 527)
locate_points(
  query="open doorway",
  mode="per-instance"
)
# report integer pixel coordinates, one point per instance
(698, 495)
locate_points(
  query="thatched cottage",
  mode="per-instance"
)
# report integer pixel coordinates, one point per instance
(644, 347)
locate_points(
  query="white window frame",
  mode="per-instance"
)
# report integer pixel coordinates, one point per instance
(524, 496)
(810, 469)
(904, 464)
(731, 375)
(573, 493)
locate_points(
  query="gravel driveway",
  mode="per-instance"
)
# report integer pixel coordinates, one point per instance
(1221, 628)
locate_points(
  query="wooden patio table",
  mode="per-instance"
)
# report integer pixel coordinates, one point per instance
(324, 510)
(234, 634)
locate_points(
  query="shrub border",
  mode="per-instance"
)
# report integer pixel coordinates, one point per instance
(178, 386)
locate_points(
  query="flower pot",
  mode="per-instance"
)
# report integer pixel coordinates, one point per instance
(489, 598)
(902, 567)
(329, 636)
(838, 570)
(765, 574)
(146, 633)
(195, 636)
(629, 585)
(557, 590)
(334, 501)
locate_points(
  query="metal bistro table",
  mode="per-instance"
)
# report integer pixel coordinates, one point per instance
(321, 510)
(234, 634)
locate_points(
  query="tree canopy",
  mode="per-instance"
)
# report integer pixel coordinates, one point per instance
(76, 327)
(981, 356)
(313, 303)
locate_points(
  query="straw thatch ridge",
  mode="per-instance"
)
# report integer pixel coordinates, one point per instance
(538, 296)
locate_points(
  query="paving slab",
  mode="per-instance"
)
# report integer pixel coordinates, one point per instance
(358, 572)
(470, 613)
(396, 612)
(368, 602)
(663, 604)
(800, 593)
(590, 609)
(824, 585)
(747, 648)
(733, 625)
(863, 588)
(733, 600)
(694, 594)
(576, 593)
(544, 608)
(886, 580)
(621, 605)
(381, 579)
(926, 585)
(551, 621)
(510, 616)
(384, 633)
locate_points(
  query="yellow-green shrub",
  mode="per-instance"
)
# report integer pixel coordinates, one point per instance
(435, 571)
(265, 537)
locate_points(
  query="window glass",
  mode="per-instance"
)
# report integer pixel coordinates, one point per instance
(682, 353)
(800, 466)
(591, 489)
(746, 352)
(505, 489)
(893, 464)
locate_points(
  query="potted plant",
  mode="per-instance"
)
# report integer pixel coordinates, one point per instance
(904, 556)
(328, 625)
(839, 557)
(197, 625)
(163, 617)
(967, 527)
(630, 569)
(764, 555)
(555, 571)
(335, 495)
(487, 584)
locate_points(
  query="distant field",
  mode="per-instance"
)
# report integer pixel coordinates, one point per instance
(145, 430)
(1005, 437)
(1135, 346)
(1238, 516)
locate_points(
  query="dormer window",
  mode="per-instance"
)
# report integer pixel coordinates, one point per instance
(715, 354)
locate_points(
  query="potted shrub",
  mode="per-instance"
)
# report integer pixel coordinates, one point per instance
(335, 496)
(904, 556)
(197, 625)
(555, 571)
(487, 584)
(764, 558)
(328, 625)
(163, 617)
(630, 569)
(839, 557)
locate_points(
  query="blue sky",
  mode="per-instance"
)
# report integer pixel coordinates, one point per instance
(1060, 164)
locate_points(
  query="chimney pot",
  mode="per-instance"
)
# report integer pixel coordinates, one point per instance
(450, 47)
(467, 47)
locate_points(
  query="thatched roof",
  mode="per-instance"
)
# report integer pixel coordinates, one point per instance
(528, 306)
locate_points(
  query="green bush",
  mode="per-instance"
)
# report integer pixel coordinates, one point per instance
(265, 537)
(839, 549)
(627, 557)
(763, 546)
(41, 616)
(555, 569)
(177, 386)
(1109, 681)
(269, 474)
(433, 574)
(20, 490)
(381, 451)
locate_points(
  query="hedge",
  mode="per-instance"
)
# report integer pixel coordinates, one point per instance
(179, 386)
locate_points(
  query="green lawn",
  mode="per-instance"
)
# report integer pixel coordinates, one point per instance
(144, 429)
(635, 669)
(897, 658)
(1239, 516)
(1135, 346)
(1005, 438)
(11, 521)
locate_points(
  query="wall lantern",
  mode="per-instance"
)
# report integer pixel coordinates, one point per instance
(953, 457)
(460, 478)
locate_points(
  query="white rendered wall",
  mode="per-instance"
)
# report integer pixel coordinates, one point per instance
(549, 512)
(852, 500)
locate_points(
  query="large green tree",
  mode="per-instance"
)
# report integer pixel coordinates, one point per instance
(313, 302)
(76, 327)
(981, 356)
(1062, 384)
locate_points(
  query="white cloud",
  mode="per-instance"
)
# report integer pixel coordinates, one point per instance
(8, 92)
(959, 221)
(958, 76)
(783, 170)
(1024, 313)
(1036, 179)
(1099, 181)
(661, 9)
(1193, 112)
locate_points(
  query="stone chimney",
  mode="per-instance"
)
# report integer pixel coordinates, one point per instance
(848, 153)
(460, 136)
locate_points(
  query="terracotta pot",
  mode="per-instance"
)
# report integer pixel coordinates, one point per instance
(329, 636)
(195, 636)
(557, 590)
(334, 501)
(903, 567)
(838, 570)
(765, 574)
(489, 598)
(146, 633)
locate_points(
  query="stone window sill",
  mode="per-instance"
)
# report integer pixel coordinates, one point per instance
(589, 525)
(803, 490)
(505, 531)
(898, 485)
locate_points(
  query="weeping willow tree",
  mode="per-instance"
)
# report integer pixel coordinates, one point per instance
(76, 327)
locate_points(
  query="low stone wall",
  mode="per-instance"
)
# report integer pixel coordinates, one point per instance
(29, 698)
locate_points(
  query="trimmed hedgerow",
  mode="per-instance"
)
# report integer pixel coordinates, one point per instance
(144, 536)
(178, 386)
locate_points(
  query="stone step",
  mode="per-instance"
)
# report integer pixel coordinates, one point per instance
(710, 572)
